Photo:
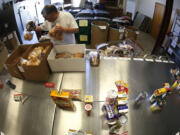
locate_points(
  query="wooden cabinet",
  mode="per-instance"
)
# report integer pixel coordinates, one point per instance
(157, 19)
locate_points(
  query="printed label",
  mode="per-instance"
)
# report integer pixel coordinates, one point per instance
(83, 38)
(10, 36)
(21, 69)
(83, 23)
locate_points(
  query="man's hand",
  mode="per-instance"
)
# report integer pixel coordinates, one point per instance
(59, 29)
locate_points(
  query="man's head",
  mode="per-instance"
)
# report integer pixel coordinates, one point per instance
(50, 13)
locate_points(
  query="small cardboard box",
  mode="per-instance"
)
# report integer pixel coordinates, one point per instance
(40, 72)
(67, 64)
(3, 55)
(13, 61)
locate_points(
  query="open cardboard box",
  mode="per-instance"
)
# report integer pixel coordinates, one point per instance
(3, 55)
(67, 64)
(13, 60)
(40, 72)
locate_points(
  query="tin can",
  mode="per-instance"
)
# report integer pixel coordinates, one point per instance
(88, 108)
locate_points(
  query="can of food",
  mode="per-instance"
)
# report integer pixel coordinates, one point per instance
(88, 108)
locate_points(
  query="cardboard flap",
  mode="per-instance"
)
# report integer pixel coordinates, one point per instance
(52, 54)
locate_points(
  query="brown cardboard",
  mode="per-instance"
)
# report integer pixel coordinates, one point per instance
(13, 60)
(3, 55)
(40, 72)
(129, 33)
(10, 40)
(115, 35)
(99, 33)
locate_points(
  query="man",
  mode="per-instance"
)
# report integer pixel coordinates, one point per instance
(62, 24)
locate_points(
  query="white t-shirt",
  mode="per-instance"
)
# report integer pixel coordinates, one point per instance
(66, 20)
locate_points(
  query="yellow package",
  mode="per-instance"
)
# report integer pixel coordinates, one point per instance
(75, 93)
(88, 99)
(63, 99)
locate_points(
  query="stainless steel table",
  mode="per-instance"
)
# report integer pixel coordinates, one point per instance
(141, 76)
(35, 116)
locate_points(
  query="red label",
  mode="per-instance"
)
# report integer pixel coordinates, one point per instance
(49, 85)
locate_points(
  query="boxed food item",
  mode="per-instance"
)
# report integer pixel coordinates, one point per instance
(75, 93)
(33, 65)
(79, 132)
(67, 58)
(13, 60)
(3, 55)
(63, 99)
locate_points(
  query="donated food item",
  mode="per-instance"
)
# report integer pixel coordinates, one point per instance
(88, 99)
(123, 119)
(63, 99)
(122, 86)
(155, 107)
(55, 34)
(122, 101)
(75, 93)
(28, 35)
(140, 98)
(79, 132)
(35, 56)
(109, 51)
(64, 55)
(111, 96)
(88, 108)
(30, 26)
(18, 97)
(123, 109)
(102, 46)
(110, 113)
(94, 58)
(78, 55)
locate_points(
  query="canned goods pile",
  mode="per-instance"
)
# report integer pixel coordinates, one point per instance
(116, 107)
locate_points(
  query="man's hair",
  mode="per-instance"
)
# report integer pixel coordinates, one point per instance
(48, 9)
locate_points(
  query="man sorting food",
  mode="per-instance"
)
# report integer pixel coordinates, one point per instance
(61, 25)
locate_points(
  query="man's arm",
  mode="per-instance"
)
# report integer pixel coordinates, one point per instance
(61, 29)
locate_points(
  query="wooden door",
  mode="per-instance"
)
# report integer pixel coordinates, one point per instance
(157, 19)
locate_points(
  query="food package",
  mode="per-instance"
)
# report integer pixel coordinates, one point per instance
(75, 93)
(78, 55)
(123, 109)
(88, 99)
(28, 35)
(63, 99)
(79, 132)
(69, 55)
(94, 58)
(110, 113)
(122, 101)
(35, 56)
(122, 86)
(30, 26)
(55, 34)
(64, 55)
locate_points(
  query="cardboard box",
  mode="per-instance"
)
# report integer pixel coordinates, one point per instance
(40, 72)
(13, 61)
(11, 41)
(67, 64)
(3, 55)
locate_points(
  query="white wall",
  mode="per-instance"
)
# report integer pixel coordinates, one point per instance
(147, 6)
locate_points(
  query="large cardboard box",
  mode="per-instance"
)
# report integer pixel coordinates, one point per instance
(3, 55)
(11, 41)
(13, 61)
(67, 64)
(40, 72)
